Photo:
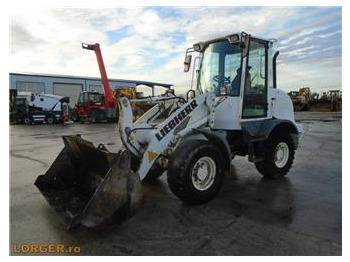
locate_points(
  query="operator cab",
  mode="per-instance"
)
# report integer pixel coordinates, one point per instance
(236, 69)
(90, 97)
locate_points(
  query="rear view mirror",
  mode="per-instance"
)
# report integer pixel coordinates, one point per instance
(187, 63)
(190, 94)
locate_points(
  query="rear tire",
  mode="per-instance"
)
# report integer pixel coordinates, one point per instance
(196, 171)
(279, 156)
(50, 120)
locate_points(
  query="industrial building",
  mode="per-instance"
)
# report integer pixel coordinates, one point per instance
(65, 85)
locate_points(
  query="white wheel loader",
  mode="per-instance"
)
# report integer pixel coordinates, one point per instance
(235, 109)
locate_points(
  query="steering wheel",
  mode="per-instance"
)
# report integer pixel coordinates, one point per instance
(227, 80)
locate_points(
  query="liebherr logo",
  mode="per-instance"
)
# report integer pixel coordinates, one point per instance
(176, 120)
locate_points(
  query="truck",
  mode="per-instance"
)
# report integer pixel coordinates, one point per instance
(235, 109)
(29, 108)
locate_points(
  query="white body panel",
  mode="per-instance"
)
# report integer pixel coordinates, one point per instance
(46, 102)
(148, 143)
(283, 106)
(227, 113)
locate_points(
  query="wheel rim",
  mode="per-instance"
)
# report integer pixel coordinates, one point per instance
(50, 120)
(203, 173)
(27, 120)
(281, 154)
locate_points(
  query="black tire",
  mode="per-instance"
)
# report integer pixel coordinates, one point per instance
(93, 116)
(271, 167)
(182, 171)
(50, 119)
(75, 117)
(28, 120)
(334, 106)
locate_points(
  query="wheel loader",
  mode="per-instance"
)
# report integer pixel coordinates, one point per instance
(235, 110)
(301, 99)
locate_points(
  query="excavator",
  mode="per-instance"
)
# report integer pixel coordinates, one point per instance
(236, 109)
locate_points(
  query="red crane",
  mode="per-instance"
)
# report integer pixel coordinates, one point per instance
(109, 100)
(92, 105)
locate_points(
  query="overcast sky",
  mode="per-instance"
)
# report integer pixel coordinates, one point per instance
(149, 43)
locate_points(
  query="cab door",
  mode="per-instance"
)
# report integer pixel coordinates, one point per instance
(255, 103)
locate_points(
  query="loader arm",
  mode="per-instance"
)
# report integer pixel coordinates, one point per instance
(148, 141)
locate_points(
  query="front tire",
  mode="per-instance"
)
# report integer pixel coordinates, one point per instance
(93, 116)
(195, 172)
(28, 120)
(279, 156)
(74, 116)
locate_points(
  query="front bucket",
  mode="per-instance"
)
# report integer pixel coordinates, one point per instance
(92, 186)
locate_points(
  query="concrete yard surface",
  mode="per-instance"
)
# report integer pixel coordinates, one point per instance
(298, 215)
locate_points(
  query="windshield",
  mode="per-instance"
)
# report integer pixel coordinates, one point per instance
(220, 69)
(20, 102)
(90, 97)
(95, 97)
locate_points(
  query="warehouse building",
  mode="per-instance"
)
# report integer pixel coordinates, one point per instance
(70, 86)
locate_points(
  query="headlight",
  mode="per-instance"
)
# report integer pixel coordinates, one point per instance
(233, 38)
(198, 47)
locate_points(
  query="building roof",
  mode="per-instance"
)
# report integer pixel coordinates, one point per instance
(128, 81)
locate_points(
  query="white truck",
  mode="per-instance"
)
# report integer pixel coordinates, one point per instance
(29, 108)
